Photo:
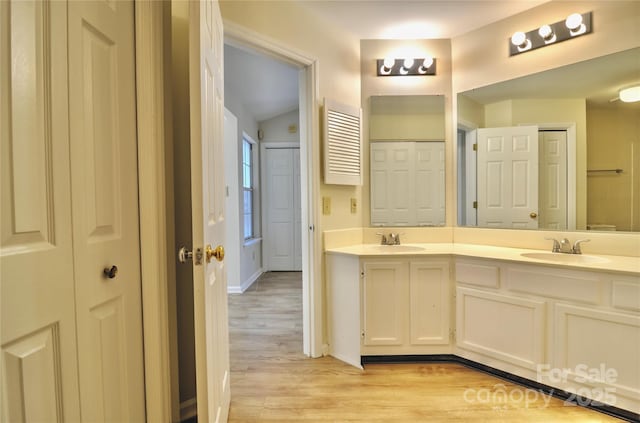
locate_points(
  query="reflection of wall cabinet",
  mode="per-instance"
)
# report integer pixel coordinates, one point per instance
(407, 183)
(523, 318)
(387, 306)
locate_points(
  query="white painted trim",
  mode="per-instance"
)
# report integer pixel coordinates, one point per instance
(251, 241)
(246, 284)
(156, 255)
(312, 300)
(188, 409)
(275, 145)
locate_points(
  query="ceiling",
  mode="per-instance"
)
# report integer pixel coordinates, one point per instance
(417, 19)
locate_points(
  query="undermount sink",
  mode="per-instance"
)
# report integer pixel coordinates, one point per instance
(565, 258)
(395, 248)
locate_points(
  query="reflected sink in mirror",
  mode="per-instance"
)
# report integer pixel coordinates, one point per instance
(565, 258)
(389, 249)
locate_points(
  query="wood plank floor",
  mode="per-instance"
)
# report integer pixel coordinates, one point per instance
(272, 381)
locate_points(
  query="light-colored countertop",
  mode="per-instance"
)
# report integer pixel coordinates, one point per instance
(597, 262)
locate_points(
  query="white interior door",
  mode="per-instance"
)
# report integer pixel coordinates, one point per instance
(553, 180)
(283, 246)
(38, 371)
(105, 210)
(471, 184)
(508, 177)
(429, 195)
(207, 185)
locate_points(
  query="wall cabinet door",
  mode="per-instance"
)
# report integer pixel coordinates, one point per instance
(384, 302)
(429, 302)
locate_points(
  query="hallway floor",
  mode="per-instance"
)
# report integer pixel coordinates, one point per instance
(272, 381)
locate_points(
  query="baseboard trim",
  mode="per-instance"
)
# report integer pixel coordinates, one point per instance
(188, 409)
(246, 284)
(527, 383)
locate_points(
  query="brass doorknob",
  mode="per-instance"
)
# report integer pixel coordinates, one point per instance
(533, 215)
(218, 253)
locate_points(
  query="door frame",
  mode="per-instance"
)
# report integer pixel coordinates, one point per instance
(155, 179)
(312, 315)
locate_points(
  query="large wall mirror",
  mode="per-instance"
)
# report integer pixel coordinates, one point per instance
(556, 150)
(406, 135)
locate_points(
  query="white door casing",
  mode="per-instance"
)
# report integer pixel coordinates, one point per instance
(105, 210)
(507, 165)
(37, 309)
(207, 185)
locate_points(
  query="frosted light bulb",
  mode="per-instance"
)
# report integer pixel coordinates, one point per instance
(545, 32)
(574, 21)
(630, 95)
(519, 39)
(389, 62)
(408, 63)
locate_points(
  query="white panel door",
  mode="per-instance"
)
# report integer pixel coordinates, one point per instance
(105, 213)
(429, 302)
(508, 177)
(282, 187)
(553, 180)
(392, 167)
(38, 369)
(208, 217)
(429, 183)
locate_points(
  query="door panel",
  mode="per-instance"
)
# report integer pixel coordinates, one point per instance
(38, 373)
(384, 291)
(104, 202)
(208, 217)
(553, 180)
(508, 177)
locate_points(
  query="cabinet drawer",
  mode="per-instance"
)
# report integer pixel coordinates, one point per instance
(555, 283)
(478, 274)
(626, 294)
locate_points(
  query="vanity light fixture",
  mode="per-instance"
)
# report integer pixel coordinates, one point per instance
(630, 95)
(406, 66)
(573, 26)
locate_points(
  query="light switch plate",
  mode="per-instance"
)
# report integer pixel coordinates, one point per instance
(326, 205)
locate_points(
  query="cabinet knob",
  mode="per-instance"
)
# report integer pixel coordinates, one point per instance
(110, 272)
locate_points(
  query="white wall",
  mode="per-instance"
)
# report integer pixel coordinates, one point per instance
(250, 255)
(337, 52)
(277, 129)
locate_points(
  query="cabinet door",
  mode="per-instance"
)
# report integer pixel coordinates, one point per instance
(384, 294)
(429, 302)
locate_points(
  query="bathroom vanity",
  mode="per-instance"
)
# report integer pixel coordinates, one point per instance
(569, 322)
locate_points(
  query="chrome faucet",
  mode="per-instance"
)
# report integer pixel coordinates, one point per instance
(564, 246)
(391, 239)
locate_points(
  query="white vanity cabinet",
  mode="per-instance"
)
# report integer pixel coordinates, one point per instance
(552, 325)
(388, 306)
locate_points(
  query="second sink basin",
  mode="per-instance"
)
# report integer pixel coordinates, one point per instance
(565, 258)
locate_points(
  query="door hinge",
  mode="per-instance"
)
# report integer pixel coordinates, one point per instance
(475, 204)
(475, 147)
(362, 273)
(362, 334)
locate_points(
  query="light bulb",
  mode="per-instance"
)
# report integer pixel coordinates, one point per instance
(546, 32)
(574, 21)
(426, 64)
(630, 95)
(408, 63)
(389, 62)
(519, 39)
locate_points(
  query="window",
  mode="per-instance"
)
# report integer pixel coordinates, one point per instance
(247, 188)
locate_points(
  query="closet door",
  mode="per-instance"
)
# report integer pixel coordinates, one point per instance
(39, 379)
(105, 210)
(283, 246)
